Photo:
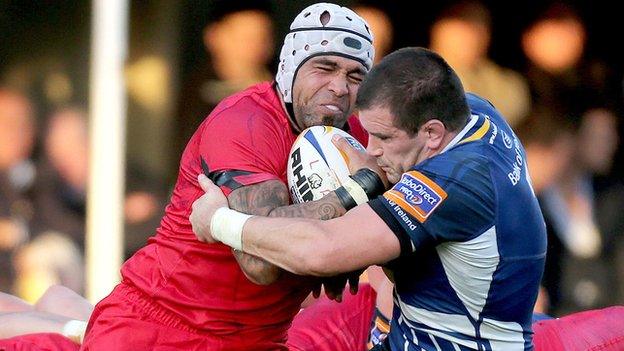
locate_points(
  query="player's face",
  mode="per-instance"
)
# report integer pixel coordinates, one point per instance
(324, 90)
(395, 149)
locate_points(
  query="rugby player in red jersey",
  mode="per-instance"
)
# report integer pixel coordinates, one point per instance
(178, 292)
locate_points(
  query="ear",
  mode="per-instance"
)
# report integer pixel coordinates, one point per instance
(435, 131)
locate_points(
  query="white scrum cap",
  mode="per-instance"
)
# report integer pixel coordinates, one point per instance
(345, 34)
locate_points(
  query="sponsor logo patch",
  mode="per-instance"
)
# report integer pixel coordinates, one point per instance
(417, 195)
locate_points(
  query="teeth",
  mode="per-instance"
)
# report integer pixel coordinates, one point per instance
(332, 107)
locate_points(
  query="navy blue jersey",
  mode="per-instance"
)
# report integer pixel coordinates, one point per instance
(473, 243)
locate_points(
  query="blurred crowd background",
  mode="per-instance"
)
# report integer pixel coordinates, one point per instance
(554, 69)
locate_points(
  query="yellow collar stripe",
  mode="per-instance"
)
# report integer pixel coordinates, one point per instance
(479, 133)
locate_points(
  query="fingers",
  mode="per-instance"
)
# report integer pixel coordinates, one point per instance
(330, 294)
(334, 287)
(343, 145)
(316, 292)
(353, 289)
(354, 284)
(333, 295)
(204, 182)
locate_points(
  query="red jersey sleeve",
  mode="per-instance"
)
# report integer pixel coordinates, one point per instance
(243, 145)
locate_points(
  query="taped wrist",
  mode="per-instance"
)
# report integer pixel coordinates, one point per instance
(226, 226)
(362, 186)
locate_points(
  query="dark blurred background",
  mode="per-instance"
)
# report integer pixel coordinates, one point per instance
(555, 70)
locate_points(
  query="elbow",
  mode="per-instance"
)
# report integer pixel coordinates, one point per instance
(265, 276)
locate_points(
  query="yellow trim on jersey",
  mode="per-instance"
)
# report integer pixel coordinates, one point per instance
(382, 325)
(479, 133)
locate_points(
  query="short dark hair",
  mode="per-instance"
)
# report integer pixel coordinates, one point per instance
(417, 85)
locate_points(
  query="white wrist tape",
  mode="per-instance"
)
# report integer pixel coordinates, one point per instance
(75, 330)
(226, 226)
(355, 190)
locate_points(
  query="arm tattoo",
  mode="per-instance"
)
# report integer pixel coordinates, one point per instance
(258, 199)
(326, 208)
(256, 269)
(271, 199)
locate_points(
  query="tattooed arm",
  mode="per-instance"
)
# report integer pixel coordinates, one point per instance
(270, 199)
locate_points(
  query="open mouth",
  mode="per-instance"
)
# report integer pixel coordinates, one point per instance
(333, 108)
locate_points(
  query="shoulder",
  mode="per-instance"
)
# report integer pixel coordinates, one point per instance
(256, 108)
(463, 177)
(461, 165)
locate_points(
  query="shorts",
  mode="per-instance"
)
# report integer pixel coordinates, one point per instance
(129, 320)
(334, 326)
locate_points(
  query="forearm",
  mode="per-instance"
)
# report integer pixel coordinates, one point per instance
(258, 199)
(298, 246)
(321, 248)
(271, 200)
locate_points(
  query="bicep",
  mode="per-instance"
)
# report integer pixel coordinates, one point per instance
(259, 199)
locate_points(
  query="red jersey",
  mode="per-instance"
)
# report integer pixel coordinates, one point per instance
(202, 283)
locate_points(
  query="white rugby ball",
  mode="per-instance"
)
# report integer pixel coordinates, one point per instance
(315, 166)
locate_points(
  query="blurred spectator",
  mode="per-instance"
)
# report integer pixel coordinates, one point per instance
(61, 188)
(17, 174)
(381, 27)
(578, 203)
(54, 253)
(561, 78)
(240, 43)
(549, 143)
(461, 35)
(597, 143)
(581, 208)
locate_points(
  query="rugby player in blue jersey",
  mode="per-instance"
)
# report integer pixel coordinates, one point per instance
(459, 230)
